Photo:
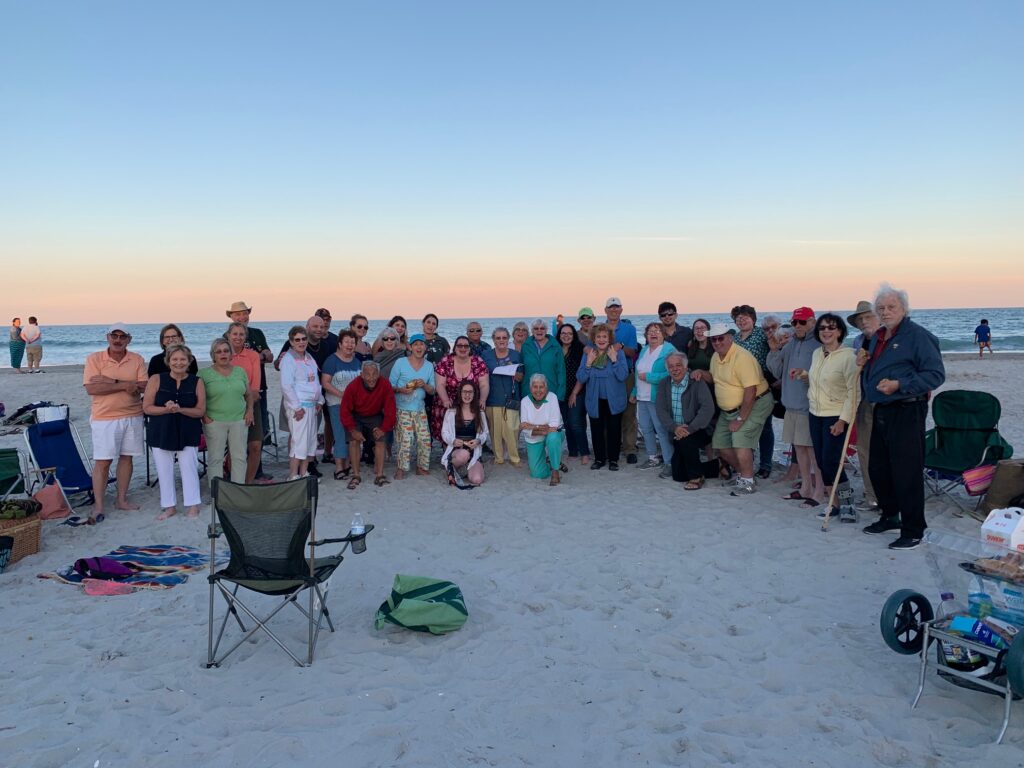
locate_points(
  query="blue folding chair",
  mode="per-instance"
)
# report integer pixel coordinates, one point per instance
(55, 455)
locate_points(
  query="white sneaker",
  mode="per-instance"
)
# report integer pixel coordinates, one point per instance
(744, 487)
(651, 463)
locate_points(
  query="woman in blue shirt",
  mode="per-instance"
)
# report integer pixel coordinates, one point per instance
(604, 372)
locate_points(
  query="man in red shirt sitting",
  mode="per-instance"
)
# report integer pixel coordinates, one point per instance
(368, 413)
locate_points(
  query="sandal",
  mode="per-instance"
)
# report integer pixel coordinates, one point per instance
(694, 485)
(562, 467)
(341, 474)
(809, 504)
(793, 496)
(354, 482)
(381, 481)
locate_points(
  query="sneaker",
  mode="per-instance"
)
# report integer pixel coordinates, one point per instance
(666, 471)
(597, 465)
(824, 510)
(883, 525)
(613, 466)
(905, 542)
(631, 458)
(651, 463)
(743, 488)
(732, 482)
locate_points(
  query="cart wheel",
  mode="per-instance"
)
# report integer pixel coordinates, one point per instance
(1014, 662)
(902, 616)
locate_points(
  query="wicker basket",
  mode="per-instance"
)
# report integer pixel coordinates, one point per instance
(26, 535)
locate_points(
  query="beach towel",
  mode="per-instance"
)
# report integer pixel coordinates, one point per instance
(160, 566)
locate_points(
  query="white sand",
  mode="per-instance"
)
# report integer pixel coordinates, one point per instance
(614, 621)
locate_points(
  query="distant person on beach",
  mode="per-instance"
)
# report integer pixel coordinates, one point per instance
(604, 373)
(675, 334)
(586, 320)
(520, 333)
(625, 339)
(475, 333)
(540, 418)
(170, 334)
(464, 432)
(412, 378)
(753, 339)
(248, 361)
(982, 337)
(686, 410)
(229, 412)
(301, 399)
(240, 312)
(16, 346)
(368, 415)
(742, 393)
(865, 320)
(115, 379)
(904, 366)
(33, 338)
(502, 404)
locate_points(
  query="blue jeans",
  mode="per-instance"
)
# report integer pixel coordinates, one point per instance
(575, 420)
(340, 436)
(650, 425)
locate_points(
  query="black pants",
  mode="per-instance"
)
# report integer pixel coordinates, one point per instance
(897, 463)
(606, 433)
(686, 463)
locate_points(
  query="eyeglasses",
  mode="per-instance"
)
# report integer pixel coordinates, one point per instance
(828, 327)
(119, 336)
(172, 338)
(299, 338)
(717, 339)
(360, 327)
(800, 322)
(462, 346)
(667, 314)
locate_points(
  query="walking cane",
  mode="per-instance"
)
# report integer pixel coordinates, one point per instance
(842, 463)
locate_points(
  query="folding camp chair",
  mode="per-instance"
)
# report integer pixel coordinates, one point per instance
(270, 446)
(55, 454)
(268, 528)
(966, 436)
(13, 478)
(151, 481)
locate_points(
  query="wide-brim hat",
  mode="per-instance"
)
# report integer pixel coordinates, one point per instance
(863, 307)
(238, 306)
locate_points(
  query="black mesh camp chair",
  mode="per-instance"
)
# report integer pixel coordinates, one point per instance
(268, 528)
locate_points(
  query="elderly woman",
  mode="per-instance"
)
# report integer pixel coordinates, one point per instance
(169, 334)
(650, 371)
(542, 354)
(520, 333)
(249, 361)
(574, 412)
(541, 419)
(175, 403)
(904, 364)
(338, 371)
(686, 409)
(464, 433)
(449, 373)
(16, 345)
(755, 341)
(389, 353)
(699, 351)
(398, 325)
(302, 399)
(832, 396)
(229, 412)
(604, 372)
(503, 397)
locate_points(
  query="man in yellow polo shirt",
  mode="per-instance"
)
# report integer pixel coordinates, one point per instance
(742, 393)
(115, 379)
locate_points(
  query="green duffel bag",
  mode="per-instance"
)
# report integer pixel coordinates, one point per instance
(423, 605)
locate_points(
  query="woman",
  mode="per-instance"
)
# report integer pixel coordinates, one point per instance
(686, 408)
(449, 373)
(359, 325)
(650, 371)
(540, 417)
(399, 325)
(412, 378)
(437, 346)
(753, 339)
(175, 403)
(604, 372)
(464, 433)
(520, 333)
(228, 414)
(248, 361)
(302, 399)
(503, 396)
(33, 338)
(698, 351)
(574, 412)
(833, 387)
(389, 352)
(16, 346)
(339, 370)
(169, 334)
(542, 354)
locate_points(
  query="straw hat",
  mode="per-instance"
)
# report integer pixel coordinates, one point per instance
(863, 307)
(238, 306)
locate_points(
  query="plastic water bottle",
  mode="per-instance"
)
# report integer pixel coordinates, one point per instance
(358, 526)
(950, 606)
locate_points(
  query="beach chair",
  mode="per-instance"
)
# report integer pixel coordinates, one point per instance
(965, 437)
(13, 477)
(55, 454)
(270, 446)
(268, 529)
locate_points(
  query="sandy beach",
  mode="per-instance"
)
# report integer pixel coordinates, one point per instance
(614, 621)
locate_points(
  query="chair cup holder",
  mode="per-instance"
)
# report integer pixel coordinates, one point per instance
(358, 542)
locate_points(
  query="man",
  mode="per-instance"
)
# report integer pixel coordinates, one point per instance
(331, 343)
(502, 404)
(865, 320)
(319, 347)
(368, 414)
(325, 315)
(115, 379)
(686, 408)
(625, 340)
(474, 331)
(239, 312)
(586, 320)
(678, 336)
(789, 360)
(904, 365)
(743, 395)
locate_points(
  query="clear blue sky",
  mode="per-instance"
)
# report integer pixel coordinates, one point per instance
(390, 137)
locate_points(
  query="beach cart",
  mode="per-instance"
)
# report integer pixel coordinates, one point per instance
(970, 638)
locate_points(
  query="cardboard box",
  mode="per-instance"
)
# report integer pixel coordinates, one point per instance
(1004, 528)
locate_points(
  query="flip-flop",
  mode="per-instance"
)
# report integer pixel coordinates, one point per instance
(793, 496)
(354, 483)
(694, 485)
(75, 521)
(94, 520)
(810, 504)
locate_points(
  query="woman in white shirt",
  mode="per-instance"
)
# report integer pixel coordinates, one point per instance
(541, 419)
(650, 371)
(464, 432)
(302, 399)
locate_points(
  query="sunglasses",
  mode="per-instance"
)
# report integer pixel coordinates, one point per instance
(667, 314)
(389, 338)
(462, 346)
(360, 327)
(119, 336)
(475, 330)
(828, 327)
(585, 317)
(800, 322)
(717, 339)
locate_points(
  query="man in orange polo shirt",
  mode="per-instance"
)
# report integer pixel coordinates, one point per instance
(115, 379)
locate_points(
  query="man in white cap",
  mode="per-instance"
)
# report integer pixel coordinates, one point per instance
(626, 341)
(743, 394)
(115, 379)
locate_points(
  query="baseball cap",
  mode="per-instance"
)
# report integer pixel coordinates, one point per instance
(323, 313)
(417, 337)
(122, 327)
(718, 329)
(613, 301)
(803, 313)
(585, 311)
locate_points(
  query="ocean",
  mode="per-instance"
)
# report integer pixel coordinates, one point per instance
(69, 344)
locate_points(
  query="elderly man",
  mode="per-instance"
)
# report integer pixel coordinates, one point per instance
(678, 336)
(239, 312)
(115, 380)
(686, 408)
(743, 395)
(866, 321)
(625, 339)
(789, 361)
(368, 414)
(474, 332)
(904, 365)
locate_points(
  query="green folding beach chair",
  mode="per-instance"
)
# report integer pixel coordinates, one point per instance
(12, 474)
(268, 529)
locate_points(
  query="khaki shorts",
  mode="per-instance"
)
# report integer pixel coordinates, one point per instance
(34, 353)
(749, 434)
(796, 429)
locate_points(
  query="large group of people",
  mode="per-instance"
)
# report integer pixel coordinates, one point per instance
(702, 397)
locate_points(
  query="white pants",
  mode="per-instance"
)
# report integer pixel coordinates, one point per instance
(188, 463)
(303, 433)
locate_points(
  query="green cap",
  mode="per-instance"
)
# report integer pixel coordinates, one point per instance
(584, 311)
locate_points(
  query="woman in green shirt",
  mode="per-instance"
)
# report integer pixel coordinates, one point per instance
(229, 412)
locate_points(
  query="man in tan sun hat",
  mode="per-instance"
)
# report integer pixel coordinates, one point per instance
(239, 312)
(866, 321)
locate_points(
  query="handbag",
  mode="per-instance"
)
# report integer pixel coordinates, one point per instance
(978, 479)
(423, 605)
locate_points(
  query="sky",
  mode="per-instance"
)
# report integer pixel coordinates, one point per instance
(159, 161)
